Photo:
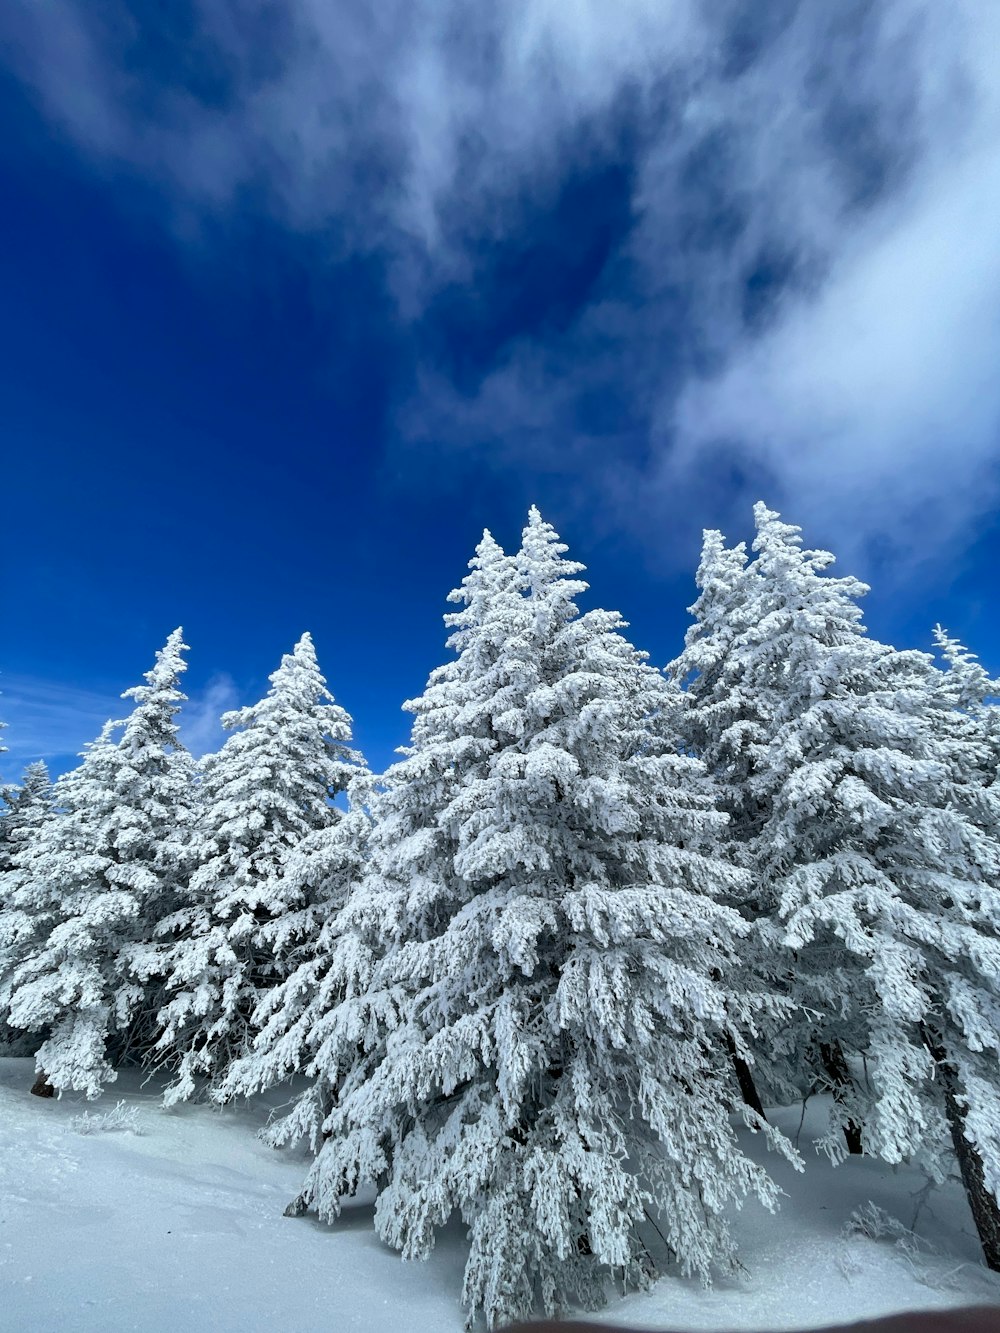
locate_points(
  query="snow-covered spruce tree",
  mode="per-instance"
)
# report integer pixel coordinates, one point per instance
(292, 1017)
(90, 888)
(907, 877)
(31, 909)
(969, 687)
(873, 842)
(966, 679)
(29, 807)
(540, 1048)
(737, 699)
(727, 722)
(347, 1024)
(268, 789)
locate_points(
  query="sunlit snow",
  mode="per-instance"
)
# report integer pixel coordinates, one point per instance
(180, 1226)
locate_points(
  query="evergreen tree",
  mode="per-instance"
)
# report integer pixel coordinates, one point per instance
(727, 721)
(535, 967)
(90, 887)
(268, 790)
(28, 808)
(736, 699)
(967, 682)
(872, 841)
(969, 688)
(348, 1021)
(291, 1018)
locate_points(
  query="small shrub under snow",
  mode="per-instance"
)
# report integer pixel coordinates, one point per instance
(121, 1119)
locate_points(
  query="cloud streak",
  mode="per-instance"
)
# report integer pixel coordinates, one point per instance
(55, 720)
(798, 295)
(49, 720)
(201, 730)
(873, 400)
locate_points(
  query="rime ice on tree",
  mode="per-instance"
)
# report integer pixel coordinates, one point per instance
(29, 807)
(862, 807)
(89, 888)
(267, 791)
(536, 967)
(291, 1018)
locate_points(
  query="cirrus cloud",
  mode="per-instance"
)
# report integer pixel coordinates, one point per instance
(786, 276)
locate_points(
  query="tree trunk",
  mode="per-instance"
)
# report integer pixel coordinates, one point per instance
(41, 1086)
(832, 1057)
(745, 1078)
(985, 1211)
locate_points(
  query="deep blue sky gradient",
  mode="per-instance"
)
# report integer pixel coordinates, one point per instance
(202, 429)
(194, 439)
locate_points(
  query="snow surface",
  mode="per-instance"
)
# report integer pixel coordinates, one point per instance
(180, 1226)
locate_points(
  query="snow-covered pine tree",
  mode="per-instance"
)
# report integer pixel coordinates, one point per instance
(966, 680)
(291, 1019)
(541, 1046)
(89, 889)
(268, 790)
(348, 1022)
(29, 807)
(873, 840)
(727, 722)
(969, 687)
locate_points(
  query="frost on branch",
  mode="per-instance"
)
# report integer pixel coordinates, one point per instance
(289, 1020)
(265, 799)
(90, 886)
(28, 809)
(860, 782)
(535, 967)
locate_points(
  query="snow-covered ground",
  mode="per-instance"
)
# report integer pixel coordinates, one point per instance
(181, 1226)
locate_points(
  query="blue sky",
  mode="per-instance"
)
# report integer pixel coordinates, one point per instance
(300, 297)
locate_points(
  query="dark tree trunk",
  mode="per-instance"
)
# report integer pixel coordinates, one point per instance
(41, 1086)
(744, 1078)
(832, 1057)
(985, 1210)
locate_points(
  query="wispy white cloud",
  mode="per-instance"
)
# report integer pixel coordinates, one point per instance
(453, 95)
(873, 401)
(813, 285)
(54, 720)
(50, 720)
(201, 731)
(860, 164)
